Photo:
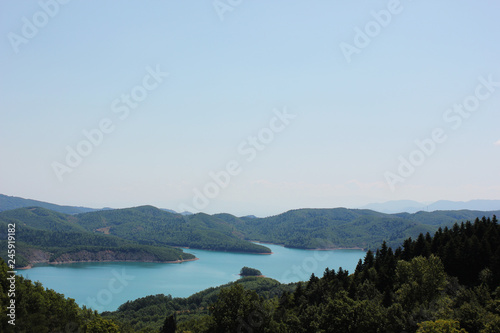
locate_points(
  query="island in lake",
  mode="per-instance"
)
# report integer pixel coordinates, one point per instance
(247, 271)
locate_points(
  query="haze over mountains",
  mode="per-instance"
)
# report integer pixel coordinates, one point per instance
(410, 206)
(389, 207)
(11, 202)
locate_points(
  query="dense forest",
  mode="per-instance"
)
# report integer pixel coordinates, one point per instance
(448, 282)
(148, 314)
(147, 233)
(9, 202)
(153, 226)
(344, 228)
(43, 235)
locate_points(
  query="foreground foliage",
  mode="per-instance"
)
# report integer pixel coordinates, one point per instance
(448, 282)
(44, 311)
(148, 314)
(445, 283)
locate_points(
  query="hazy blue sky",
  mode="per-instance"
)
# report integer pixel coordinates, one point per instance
(357, 83)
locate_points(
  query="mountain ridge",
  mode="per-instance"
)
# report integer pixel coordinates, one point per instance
(388, 207)
(160, 230)
(411, 206)
(11, 202)
(45, 236)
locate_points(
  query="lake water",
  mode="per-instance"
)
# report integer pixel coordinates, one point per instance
(105, 286)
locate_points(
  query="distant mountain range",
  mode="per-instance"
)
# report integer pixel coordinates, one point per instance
(410, 206)
(389, 207)
(8, 203)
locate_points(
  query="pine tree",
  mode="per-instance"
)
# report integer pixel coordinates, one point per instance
(169, 325)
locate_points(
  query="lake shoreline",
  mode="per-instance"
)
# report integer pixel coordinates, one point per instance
(98, 261)
(244, 252)
(158, 262)
(317, 249)
(79, 281)
(336, 248)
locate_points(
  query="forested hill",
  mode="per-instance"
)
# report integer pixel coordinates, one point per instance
(345, 228)
(10, 202)
(150, 226)
(446, 283)
(153, 226)
(449, 282)
(147, 314)
(45, 236)
(137, 234)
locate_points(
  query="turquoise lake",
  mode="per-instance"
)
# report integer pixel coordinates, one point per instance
(105, 286)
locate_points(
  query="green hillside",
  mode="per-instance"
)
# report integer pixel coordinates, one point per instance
(46, 236)
(10, 202)
(148, 313)
(445, 218)
(42, 218)
(150, 225)
(449, 282)
(149, 233)
(329, 228)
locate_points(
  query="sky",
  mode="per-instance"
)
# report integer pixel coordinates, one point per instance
(249, 107)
